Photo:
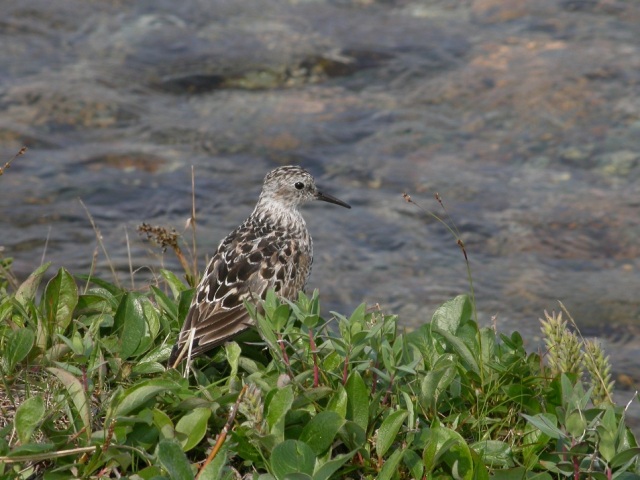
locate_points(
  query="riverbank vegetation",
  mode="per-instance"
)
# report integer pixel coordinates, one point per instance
(85, 393)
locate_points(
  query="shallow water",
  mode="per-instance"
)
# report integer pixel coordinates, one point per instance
(524, 117)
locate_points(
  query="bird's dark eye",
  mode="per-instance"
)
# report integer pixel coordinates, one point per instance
(299, 185)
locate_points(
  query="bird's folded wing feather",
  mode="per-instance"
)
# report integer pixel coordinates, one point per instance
(234, 274)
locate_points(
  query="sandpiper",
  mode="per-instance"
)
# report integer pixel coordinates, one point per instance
(270, 249)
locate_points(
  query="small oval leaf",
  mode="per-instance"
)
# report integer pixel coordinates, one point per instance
(28, 417)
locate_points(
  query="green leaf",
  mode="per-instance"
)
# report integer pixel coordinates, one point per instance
(390, 467)
(193, 426)
(437, 380)
(453, 313)
(546, 423)
(338, 402)
(624, 457)
(278, 407)
(173, 460)
(292, 456)
(388, 431)
(215, 469)
(18, 345)
(326, 470)
(163, 423)
(27, 290)
(414, 463)
(77, 394)
(446, 445)
(575, 424)
(175, 284)
(233, 351)
(461, 348)
(31, 449)
(357, 400)
(321, 430)
(353, 435)
(60, 297)
(139, 394)
(164, 302)
(494, 453)
(129, 323)
(28, 417)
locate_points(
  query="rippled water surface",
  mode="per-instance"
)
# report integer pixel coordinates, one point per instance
(524, 116)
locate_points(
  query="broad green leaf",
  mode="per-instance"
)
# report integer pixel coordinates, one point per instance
(624, 457)
(28, 417)
(193, 426)
(164, 302)
(310, 395)
(136, 396)
(292, 456)
(264, 326)
(60, 298)
(175, 284)
(390, 467)
(353, 435)
(325, 471)
(575, 424)
(357, 400)
(437, 380)
(546, 423)
(453, 313)
(173, 460)
(388, 431)
(607, 443)
(414, 463)
(423, 340)
(321, 430)
(163, 423)
(461, 348)
(446, 445)
(278, 407)
(18, 345)
(77, 394)
(146, 368)
(488, 343)
(129, 324)
(494, 453)
(338, 402)
(215, 469)
(153, 319)
(27, 290)
(31, 449)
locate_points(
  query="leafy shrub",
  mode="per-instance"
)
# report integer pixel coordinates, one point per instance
(86, 395)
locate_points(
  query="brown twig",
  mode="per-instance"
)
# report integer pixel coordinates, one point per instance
(21, 152)
(223, 434)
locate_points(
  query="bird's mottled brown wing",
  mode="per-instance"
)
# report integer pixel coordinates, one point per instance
(248, 262)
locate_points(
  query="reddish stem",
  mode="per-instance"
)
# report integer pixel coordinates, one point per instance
(345, 370)
(285, 357)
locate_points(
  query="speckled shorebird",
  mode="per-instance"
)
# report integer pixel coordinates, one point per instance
(270, 249)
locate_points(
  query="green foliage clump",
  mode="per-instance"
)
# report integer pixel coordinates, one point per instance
(86, 395)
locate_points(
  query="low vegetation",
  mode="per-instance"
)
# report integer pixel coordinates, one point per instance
(85, 393)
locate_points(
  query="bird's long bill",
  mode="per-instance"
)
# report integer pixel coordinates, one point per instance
(325, 197)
